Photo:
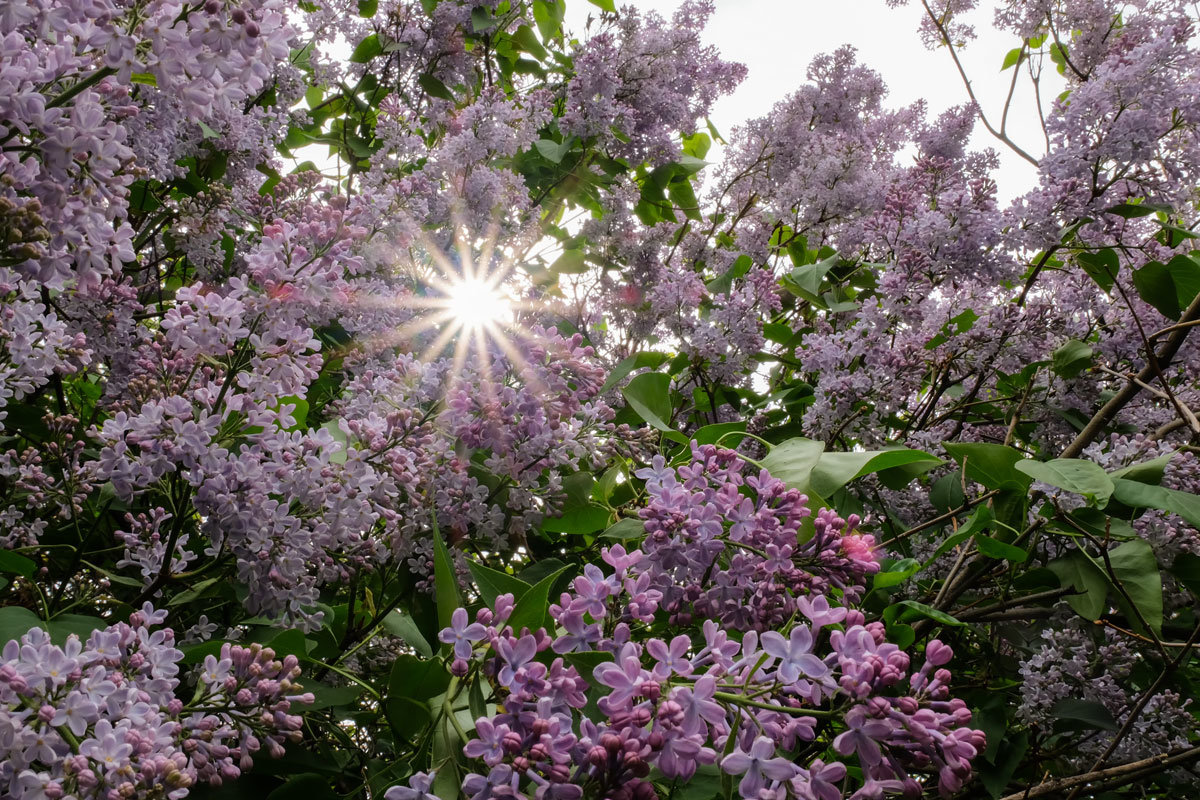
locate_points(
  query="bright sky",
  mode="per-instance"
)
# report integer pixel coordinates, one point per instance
(776, 39)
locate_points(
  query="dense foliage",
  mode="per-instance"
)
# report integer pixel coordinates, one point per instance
(533, 440)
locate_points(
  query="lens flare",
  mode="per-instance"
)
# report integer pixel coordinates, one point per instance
(475, 303)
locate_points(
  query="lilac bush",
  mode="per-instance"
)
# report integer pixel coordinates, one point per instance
(569, 446)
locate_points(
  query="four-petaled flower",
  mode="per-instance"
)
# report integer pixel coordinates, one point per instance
(460, 634)
(759, 766)
(794, 654)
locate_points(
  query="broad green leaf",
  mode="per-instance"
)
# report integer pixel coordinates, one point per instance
(644, 360)
(1101, 267)
(530, 611)
(1073, 474)
(897, 573)
(16, 564)
(1080, 573)
(402, 625)
(492, 583)
(444, 579)
(367, 49)
(1134, 564)
(585, 519)
(553, 151)
(994, 548)
(329, 696)
(1146, 472)
(548, 14)
(722, 284)
(1071, 358)
(81, 625)
(649, 394)
(915, 609)
(434, 87)
(1187, 569)
(1142, 495)
(724, 432)
(1169, 287)
(16, 621)
(625, 529)
(792, 461)
(604, 5)
(835, 470)
(571, 262)
(992, 465)
(1088, 712)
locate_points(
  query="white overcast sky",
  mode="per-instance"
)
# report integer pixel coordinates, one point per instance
(776, 39)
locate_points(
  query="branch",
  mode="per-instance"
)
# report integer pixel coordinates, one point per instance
(1154, 365)
(1111, 777)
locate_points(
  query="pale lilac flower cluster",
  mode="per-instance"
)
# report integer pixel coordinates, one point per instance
(637, 87)
(1073, 662)
(739, 690)
(101, 719)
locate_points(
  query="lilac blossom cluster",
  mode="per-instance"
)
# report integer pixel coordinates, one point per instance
(1076, 662)
(101, 718)
(768, 675)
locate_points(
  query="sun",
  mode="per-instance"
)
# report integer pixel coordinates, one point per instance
(475, 303)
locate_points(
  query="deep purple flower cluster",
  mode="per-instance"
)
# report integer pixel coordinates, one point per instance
(779, 671)
(101, 719)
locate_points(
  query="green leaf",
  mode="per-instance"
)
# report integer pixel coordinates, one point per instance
(1145, 472)
(16, 621)
(711, 434)
(1089, 712)
(649, 395)
(1142, 495)
(1012, 58)
(915, 609)
(144, 78)
(1077, 571)
(1073, 474)
(548, 14)
(16, 564)
(571, 262)
(625, 529)
(553, 151)
(991, 465)
(434, 87)
(835, 470)
(492, 583)
(329, 696)
(445, 581)
(402, 625)
(1011, 749)
(792, 461)
(206, 131)
(643, 360)
(585, 519)
(528, 41)
(1102, 267)
(806, 279)
(1071, 358)
(530, 611)
(897, 573)
(367, 49)
(481, 19)
(994, 548)
(1169, 287)
(1134, 564)
(604, 5)
(721, 285)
